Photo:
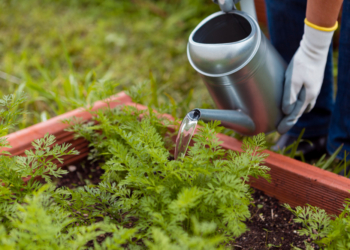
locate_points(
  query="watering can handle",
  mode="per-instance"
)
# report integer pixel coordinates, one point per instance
(226, 5)
(247, 6)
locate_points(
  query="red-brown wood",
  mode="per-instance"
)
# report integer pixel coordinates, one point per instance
(292, 182)
(22, 140)
(298, 183)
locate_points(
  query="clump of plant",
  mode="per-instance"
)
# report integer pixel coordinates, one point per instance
(38, 163)
(329, 232)
(204, 195)
(29, 216)
(197, 202)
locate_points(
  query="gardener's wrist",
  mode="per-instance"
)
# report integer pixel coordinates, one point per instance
(323, 13)
(321, 28)
(316, 42)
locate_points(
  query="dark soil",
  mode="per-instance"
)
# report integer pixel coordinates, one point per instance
(270, 227)
(81, 175)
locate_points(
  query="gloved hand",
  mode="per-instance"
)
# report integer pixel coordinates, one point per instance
(304, 75)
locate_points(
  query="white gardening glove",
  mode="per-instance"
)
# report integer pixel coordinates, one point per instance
(304, 75)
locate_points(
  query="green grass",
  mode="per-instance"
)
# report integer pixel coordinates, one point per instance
(58, 51)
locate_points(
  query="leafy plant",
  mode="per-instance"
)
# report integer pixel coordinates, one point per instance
(40, 224)
(9, 112)
(157, 194)
(29, 216)
(38, 163)
(315, 221)
(327, 233)
(203, 238)
(197, 202)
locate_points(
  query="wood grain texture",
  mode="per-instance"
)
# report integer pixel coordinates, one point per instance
(22, 140)
(298, 183)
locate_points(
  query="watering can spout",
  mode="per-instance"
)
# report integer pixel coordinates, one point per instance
(233, 119)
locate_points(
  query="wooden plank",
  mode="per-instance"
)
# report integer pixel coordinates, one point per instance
(22, 140)
(298, 183)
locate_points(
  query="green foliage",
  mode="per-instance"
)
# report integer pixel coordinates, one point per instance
(42, 159)
(330, 163)
(308, 246)
(172, 198)
(9, 112)
(197, 202)
(36, 164)
(56, 51)
(66, 54)
(203, 238)
(327, 233)
(30, 217)
(291, 150)
(41, 224)
(315, 221)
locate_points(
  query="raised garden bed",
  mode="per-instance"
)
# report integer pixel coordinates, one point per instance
(292, 182)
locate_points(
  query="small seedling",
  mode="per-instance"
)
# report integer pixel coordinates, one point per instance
(272, 245)
(266, 237)
(259, 206)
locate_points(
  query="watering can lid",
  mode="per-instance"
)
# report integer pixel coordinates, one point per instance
(223, 43)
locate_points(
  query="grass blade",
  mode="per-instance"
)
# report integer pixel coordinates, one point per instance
(296, 144)
(332, 158)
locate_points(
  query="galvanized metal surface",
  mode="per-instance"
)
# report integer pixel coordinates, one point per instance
(242, 72)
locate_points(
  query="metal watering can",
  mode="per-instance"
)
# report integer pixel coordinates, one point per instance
(242, 71)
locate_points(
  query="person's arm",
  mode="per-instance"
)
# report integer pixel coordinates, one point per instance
(323, 13)
(304, 75)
